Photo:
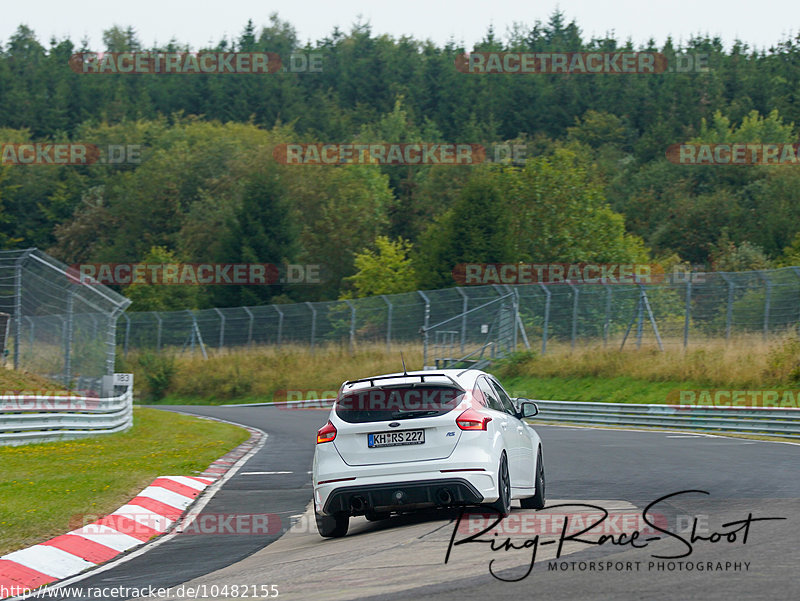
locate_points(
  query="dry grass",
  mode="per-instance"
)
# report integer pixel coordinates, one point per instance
(745, 362)
(258, 373)
(20, 381)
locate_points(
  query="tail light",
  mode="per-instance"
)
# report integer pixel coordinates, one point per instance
(472, 420)
(326, 433)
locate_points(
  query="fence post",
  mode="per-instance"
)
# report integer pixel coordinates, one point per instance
(127, 335)
(18, 303)
(352, 325)
(546, 317)
(426, 321)
(688, 311)
(767, 300)
(111, 340)
(32, 332)
(575, 294)
(607, 320)
(313, 324)
(249, 327)
(640, 320)
(68, 338)
(158, 330)
(221, 328)
(388, 324)
(280, 323)
(729, 312)
(464, 308)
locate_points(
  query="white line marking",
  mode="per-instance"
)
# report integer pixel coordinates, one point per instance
(263, 473)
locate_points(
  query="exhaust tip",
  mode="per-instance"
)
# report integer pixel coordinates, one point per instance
(357, 503)
(444, 497)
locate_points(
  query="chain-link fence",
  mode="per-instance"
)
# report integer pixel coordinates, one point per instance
(682, 310)
(59, 328)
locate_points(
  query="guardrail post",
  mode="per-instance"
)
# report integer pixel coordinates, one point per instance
(388, 323)
(546, 317)
(280, 324)
(249, 327)
(18, 303)
(352, 325)
(158, 330)
(464, 308)
(575, 294)
(729, 312)
(688, 311)
(313, 324)
(221, 328)
(607, 320)
(426, 321)
(767, 300)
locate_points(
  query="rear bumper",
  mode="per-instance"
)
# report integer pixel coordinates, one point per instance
(401, 496)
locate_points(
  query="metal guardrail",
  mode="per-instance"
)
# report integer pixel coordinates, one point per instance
(723, 420)
(731, 420)
(31, 419)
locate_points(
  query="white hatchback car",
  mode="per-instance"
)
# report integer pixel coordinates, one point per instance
(415, 440)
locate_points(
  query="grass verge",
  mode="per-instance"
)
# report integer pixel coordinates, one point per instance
(46, 489)
(596, 389)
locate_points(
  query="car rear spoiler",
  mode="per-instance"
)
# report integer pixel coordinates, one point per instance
(398, 376)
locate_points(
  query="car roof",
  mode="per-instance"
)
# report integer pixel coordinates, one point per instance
(463, 377)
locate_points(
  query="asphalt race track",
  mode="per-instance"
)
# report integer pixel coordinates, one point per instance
(403, 557)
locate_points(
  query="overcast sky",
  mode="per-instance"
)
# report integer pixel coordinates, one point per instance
(200, 22)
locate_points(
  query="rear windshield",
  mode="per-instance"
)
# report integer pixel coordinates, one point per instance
(397, 403)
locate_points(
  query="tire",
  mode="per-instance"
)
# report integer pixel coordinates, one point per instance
(376, 516)
(332, 526)
(503, 503)
(537, 501)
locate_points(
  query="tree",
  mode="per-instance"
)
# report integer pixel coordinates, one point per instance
(154, 296)
(387, 270)
(262, 231)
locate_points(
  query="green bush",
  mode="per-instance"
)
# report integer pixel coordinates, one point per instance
(159, 369)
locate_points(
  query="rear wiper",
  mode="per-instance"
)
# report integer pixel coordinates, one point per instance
(410, 414)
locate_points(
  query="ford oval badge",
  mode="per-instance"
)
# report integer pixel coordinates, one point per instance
(394, 424)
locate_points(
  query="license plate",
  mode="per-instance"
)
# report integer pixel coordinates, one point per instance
(394, 439)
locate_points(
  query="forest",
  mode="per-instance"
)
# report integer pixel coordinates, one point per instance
(592, 181)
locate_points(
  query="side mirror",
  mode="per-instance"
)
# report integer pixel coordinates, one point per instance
(528, 409)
